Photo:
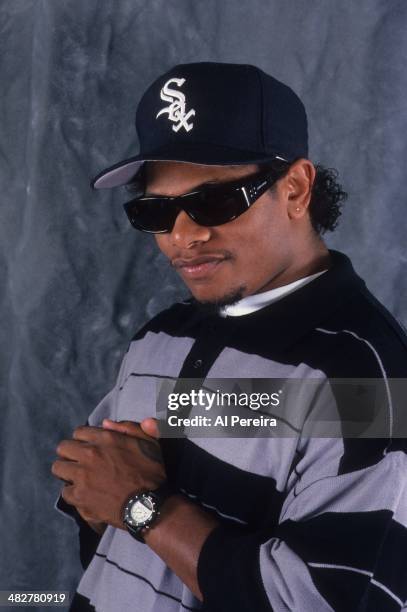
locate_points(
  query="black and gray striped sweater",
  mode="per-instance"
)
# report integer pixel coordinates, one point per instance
(307, 524)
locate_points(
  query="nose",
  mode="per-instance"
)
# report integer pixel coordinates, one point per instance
(186, 233)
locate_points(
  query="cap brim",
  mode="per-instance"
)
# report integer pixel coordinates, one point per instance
(125, 171)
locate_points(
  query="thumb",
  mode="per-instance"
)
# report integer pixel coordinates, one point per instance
(150, 427)
(129, 428)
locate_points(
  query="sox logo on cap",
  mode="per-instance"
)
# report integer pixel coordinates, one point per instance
(176, 110)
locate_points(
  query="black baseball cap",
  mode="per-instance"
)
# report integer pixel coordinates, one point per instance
(214, 114)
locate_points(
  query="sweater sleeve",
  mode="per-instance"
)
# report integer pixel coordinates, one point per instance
(340, 543)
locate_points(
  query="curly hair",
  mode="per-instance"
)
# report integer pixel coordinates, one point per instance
(327, 195)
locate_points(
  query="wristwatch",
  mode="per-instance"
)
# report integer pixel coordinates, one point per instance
(142, 509)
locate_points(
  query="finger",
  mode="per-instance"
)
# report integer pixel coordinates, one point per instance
(70, 449)
(64, 470)
(86, 433)
(120, 426)
(129, 428)
(150, 427)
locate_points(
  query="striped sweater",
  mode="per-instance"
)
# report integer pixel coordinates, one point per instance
(307, 524)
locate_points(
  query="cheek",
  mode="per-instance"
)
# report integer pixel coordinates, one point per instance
(261, 234)
(261, 245)
(163, 243)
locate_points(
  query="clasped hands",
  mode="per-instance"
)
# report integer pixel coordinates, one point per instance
(103, 466)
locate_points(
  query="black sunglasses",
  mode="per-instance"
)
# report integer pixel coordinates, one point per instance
(212, 205)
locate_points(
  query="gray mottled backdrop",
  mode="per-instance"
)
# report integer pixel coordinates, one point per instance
(76, 280)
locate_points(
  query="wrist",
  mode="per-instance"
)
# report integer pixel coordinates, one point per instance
(97, 526)
(170, 508)
(178, 512)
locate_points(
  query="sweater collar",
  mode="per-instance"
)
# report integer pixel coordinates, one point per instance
(289, 318)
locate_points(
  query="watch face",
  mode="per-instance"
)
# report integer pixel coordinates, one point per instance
(142, 510)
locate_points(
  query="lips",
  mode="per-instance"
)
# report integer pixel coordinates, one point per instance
(198, 267)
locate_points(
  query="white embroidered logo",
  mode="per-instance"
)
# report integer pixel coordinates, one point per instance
(176, 110)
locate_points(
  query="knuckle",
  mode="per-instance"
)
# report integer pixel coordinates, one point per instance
(77, 491)
(128, 423)
(109, 436)
(91, 452)
(80, 476)
(88, 450)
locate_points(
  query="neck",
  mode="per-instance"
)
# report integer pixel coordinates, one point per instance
(306, 261)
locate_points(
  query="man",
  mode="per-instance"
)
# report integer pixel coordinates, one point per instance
(291, 521)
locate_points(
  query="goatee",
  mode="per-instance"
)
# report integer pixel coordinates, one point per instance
(213, 306)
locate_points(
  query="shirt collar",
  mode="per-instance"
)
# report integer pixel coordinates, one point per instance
(254, 302)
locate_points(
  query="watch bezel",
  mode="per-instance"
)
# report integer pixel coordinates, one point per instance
(128, 519)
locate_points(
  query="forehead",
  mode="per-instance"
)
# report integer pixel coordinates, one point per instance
(180, 176)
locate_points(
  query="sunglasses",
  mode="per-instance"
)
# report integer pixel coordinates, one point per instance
(212, 205)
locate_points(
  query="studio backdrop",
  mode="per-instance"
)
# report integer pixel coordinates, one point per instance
(76, 280)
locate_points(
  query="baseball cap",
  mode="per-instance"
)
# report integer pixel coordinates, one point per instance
(214, 114)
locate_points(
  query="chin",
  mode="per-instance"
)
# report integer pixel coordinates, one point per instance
(218, 299)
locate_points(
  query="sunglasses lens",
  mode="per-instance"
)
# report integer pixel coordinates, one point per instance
(217, 208)
(153, 215)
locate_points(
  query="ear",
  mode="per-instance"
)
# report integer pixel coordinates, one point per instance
(298, 187)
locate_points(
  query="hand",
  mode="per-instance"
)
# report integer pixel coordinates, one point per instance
(149, 427)
(102, 467)
(179, 535)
